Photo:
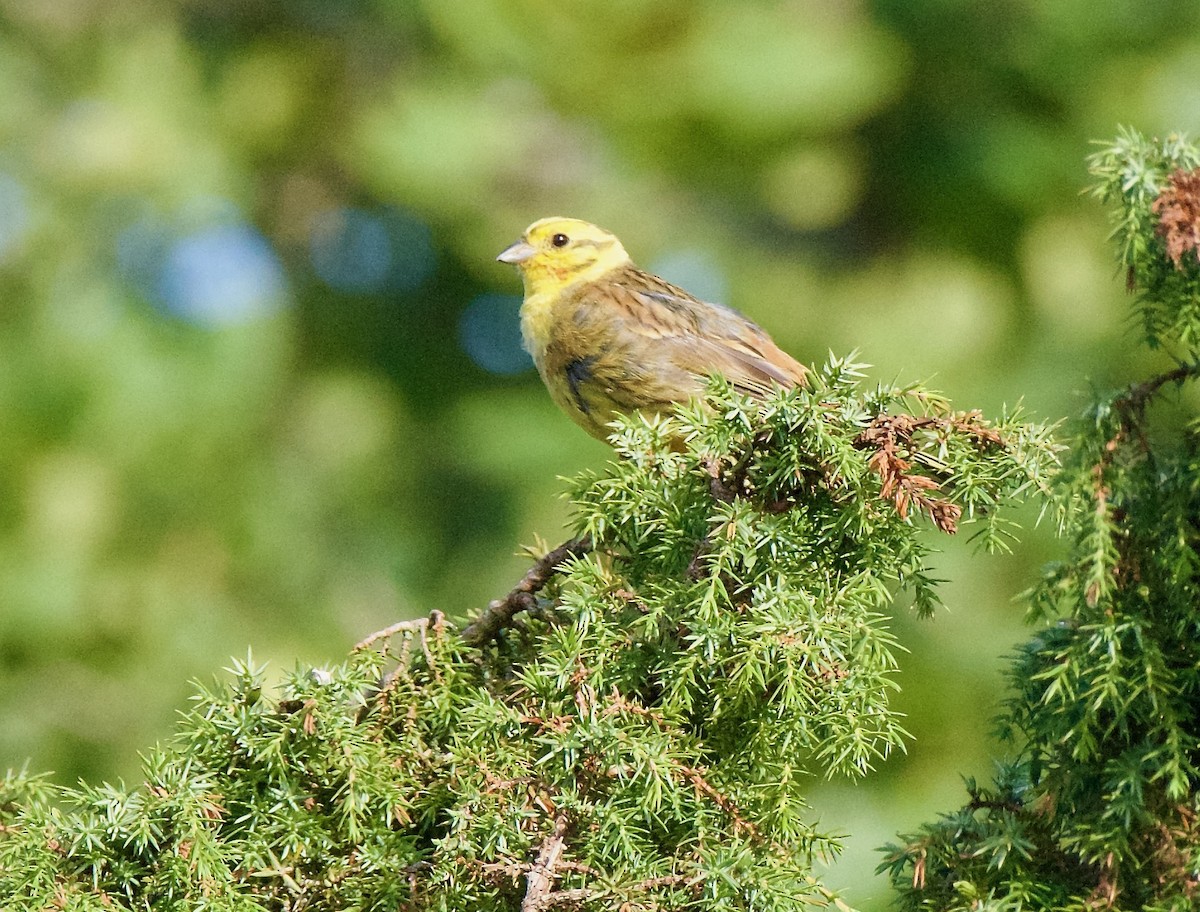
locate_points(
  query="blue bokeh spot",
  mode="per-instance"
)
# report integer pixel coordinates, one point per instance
(362, 252)
(220, 275)
(14, 213)
(696, 272)
(490, 333)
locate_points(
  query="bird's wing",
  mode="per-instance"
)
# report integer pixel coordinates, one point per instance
(703, 338)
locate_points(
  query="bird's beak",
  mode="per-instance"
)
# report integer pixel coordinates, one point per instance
(517, 253)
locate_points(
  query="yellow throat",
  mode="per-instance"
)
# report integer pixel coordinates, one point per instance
(554, 254)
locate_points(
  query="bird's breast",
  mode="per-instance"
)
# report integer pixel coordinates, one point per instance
(537, 324)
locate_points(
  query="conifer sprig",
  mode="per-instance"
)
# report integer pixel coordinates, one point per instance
(1100, 808)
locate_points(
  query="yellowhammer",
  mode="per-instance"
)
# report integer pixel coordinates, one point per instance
(609, 338)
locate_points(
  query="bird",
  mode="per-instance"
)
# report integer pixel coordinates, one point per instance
(609, 338)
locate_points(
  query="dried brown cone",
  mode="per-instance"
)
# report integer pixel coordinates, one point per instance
(1178, 211)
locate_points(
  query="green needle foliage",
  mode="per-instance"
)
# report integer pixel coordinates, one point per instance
(632, 728)
(1099, 810)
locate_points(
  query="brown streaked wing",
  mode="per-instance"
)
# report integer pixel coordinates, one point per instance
(748, 371)
(711, 338)
(654, 307)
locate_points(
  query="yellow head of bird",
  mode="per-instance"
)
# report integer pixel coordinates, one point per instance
(555, 252)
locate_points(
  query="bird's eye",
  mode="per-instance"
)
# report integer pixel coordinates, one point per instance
(560, 240)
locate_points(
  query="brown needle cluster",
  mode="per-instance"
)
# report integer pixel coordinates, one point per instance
(891, 436)
(1178, 211)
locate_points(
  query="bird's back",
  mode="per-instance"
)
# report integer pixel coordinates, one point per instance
(632, 341)
(698, 337)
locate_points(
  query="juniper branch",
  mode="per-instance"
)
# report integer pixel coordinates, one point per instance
(499, 613)
(1099, 808)
(1132, 403)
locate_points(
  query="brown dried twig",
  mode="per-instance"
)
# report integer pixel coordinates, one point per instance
(539, 879)
(417, 629)
(889, 435)
(701, 784)
(417, 625)
(1132, 403)
(1131, 408)
(580, 895)
(499, 614)
(577, 896)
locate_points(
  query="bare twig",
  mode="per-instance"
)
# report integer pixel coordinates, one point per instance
(577, 896)
(1131, 407)
(1133, 402)
(417, 629)
(574, 897)
(696, 777)
(418, 625)
(539, 880)
(580, 895)
(720, 491)
(499, 613)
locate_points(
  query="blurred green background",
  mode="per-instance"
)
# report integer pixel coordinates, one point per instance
(260, 377)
